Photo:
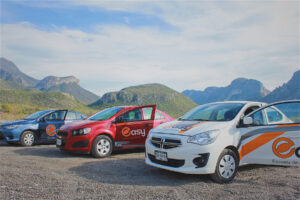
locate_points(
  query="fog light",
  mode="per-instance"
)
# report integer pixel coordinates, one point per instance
(201, 160)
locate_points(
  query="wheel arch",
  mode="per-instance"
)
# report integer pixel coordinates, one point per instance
(235, 150)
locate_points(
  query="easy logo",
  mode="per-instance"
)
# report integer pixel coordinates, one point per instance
(50, 130)
(126, 131)
(282, 147)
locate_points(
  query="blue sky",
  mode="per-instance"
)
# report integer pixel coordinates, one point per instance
(110, 45)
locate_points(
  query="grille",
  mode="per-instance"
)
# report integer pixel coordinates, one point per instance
(169, 163)
(165, 143)
(62, 133)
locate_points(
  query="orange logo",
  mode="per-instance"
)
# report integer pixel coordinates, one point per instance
(126, 131)
(283, 145)
(51, 130)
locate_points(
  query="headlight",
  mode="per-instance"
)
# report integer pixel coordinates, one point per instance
(11, 127)
(82, 131)
(204, 138)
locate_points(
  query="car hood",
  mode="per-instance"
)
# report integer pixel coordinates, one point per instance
(81, 124)
(18, 122)
(189, 128)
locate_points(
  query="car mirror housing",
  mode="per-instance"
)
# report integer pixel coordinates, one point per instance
(248, 121)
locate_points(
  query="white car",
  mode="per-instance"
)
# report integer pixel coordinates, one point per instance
(216, 138)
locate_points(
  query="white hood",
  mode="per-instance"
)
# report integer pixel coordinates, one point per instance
(189, 128)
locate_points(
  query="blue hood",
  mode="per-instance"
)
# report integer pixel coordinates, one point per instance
(18, 122)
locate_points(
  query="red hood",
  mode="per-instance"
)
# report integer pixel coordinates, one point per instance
(82, 124)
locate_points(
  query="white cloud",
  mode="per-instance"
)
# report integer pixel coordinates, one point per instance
(214, 43)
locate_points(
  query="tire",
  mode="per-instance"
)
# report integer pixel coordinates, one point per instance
(226, 168)
(27, 138)
(102, 146)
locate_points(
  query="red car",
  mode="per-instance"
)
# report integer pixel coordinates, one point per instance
(112, 128)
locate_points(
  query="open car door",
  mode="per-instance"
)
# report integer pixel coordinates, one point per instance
(133, 126)
(272, 135)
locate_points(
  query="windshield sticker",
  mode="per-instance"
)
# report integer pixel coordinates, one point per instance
(51, 130)
(184, 126)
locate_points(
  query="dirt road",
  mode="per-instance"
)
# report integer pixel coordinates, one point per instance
(44, 172)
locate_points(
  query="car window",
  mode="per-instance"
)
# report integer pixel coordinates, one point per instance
(284, 113)
(57, 115)
(259, 119)
(147, 113)
(71, 115)
(134, 115)
(159, 115)
(80, 116)
(273, 115)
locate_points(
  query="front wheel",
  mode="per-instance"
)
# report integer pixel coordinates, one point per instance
(226, 168)
(27, 138)
(102, 146)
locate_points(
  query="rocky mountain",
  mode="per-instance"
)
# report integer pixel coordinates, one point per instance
(10, 73)
(239, 89)
(166, 99)
(69, 85)
(288, 91)
(12, 78)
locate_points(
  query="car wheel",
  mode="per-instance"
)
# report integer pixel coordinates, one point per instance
(226, 168)
(27, 138)
(102, 146)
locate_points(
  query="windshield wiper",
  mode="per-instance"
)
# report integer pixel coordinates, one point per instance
(202, 120)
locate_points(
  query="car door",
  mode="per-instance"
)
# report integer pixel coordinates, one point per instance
(272, 135)
(132, 127)
(50, 123)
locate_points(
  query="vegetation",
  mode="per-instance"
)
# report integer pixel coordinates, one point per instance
(166, 99)
(16, 104)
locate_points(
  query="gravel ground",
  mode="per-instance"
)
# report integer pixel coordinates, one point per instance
(44, 172)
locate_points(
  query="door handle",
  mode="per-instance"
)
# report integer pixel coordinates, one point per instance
(147, 125)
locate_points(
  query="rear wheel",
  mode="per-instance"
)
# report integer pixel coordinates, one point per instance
(102, 146)
(27, 138)
(226, 168)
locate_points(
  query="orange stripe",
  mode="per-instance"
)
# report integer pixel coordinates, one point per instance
(288, 125)
(185, 130)
(258, 142)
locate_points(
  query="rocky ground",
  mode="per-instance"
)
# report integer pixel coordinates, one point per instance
(44, 172)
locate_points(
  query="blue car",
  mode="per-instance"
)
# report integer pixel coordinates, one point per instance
(38, 127)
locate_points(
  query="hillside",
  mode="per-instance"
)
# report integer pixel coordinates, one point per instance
(239, 89)
(12, 78)
(10, 72)
(288, 91)
(166, 99)
(39, 99)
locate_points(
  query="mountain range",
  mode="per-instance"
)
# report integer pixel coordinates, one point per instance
(17, 87)
(247, 90)
(166, 99)
(12, 78)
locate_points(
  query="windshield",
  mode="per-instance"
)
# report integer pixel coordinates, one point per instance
(105, 114)
(213, 112)
(36, 115)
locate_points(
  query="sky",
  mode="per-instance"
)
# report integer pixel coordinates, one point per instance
(110, 45)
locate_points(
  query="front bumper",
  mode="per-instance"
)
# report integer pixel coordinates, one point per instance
(73, 143)
(187, 158)
(11, 135)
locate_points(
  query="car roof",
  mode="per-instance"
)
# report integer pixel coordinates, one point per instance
(244, 102)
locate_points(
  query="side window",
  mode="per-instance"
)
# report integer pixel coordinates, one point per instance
(147, 113)
(273, 115)
(258, 118)
(71, 115)
(134, 115)
(284, 113)
(55, 116)
(80, 116)
(159, 115)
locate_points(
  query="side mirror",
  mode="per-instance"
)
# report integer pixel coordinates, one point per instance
(248, 121)
(118, 119)
(42, 119)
